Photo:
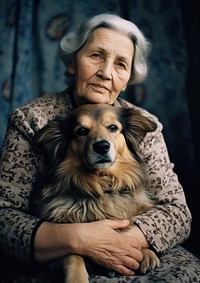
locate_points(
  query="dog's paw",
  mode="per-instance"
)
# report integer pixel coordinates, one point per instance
(149, 262)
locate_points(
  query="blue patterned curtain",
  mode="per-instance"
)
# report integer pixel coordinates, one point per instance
(29, 66)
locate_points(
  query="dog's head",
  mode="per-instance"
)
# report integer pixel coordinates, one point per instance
(95, 134)
(95, 149)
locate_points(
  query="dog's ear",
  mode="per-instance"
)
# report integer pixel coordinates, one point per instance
(135, 127)
(52, 139)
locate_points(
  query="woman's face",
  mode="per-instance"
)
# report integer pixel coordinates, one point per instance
(103, 67)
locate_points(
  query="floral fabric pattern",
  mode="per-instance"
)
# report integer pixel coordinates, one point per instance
(178, 266)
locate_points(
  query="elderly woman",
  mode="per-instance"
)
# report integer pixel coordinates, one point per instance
(102, 57)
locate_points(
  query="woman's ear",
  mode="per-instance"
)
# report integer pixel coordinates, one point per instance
(71, 68)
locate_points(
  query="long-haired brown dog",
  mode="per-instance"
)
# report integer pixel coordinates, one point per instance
(93, 172)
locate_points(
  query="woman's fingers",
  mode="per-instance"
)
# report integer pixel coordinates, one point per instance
(116, 251)
(124, 270)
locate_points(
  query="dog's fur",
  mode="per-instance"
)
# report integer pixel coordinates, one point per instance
(93, 172)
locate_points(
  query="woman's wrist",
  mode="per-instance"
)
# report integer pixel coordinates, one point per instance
(134, 231)
(55, 240)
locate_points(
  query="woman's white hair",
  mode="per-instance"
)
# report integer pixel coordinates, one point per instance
(71, 43)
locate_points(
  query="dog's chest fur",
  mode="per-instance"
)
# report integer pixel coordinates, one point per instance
(124, 203)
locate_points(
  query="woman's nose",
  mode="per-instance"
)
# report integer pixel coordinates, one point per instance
(105, 71)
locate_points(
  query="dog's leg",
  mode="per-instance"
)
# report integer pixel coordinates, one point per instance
(149, 262)
(75, 270)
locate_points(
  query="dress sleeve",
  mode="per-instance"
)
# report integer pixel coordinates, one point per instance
(18, 167)
(169, 223)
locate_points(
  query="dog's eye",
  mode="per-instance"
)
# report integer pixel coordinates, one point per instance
(113, 128)
(82, 131)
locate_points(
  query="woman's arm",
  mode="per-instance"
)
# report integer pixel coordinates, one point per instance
(169, 223)
(18, 166)
(97, 240)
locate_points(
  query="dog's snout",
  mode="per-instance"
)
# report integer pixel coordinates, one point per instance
(101, 147)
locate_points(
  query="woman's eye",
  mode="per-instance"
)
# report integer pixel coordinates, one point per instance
(82, 131)
(96, 56)
(121, 65)
(113, 128)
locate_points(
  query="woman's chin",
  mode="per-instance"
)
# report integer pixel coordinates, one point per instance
(93, 100)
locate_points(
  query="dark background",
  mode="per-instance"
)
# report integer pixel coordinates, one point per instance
(191, 20)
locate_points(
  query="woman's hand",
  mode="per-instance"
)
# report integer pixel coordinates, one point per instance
(102, 243)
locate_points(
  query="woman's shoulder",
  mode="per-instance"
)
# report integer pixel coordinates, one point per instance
(56, 102)
(36, 113)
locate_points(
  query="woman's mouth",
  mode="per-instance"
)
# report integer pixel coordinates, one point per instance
(99, 87)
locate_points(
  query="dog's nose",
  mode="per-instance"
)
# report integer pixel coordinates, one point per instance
(101, 147)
